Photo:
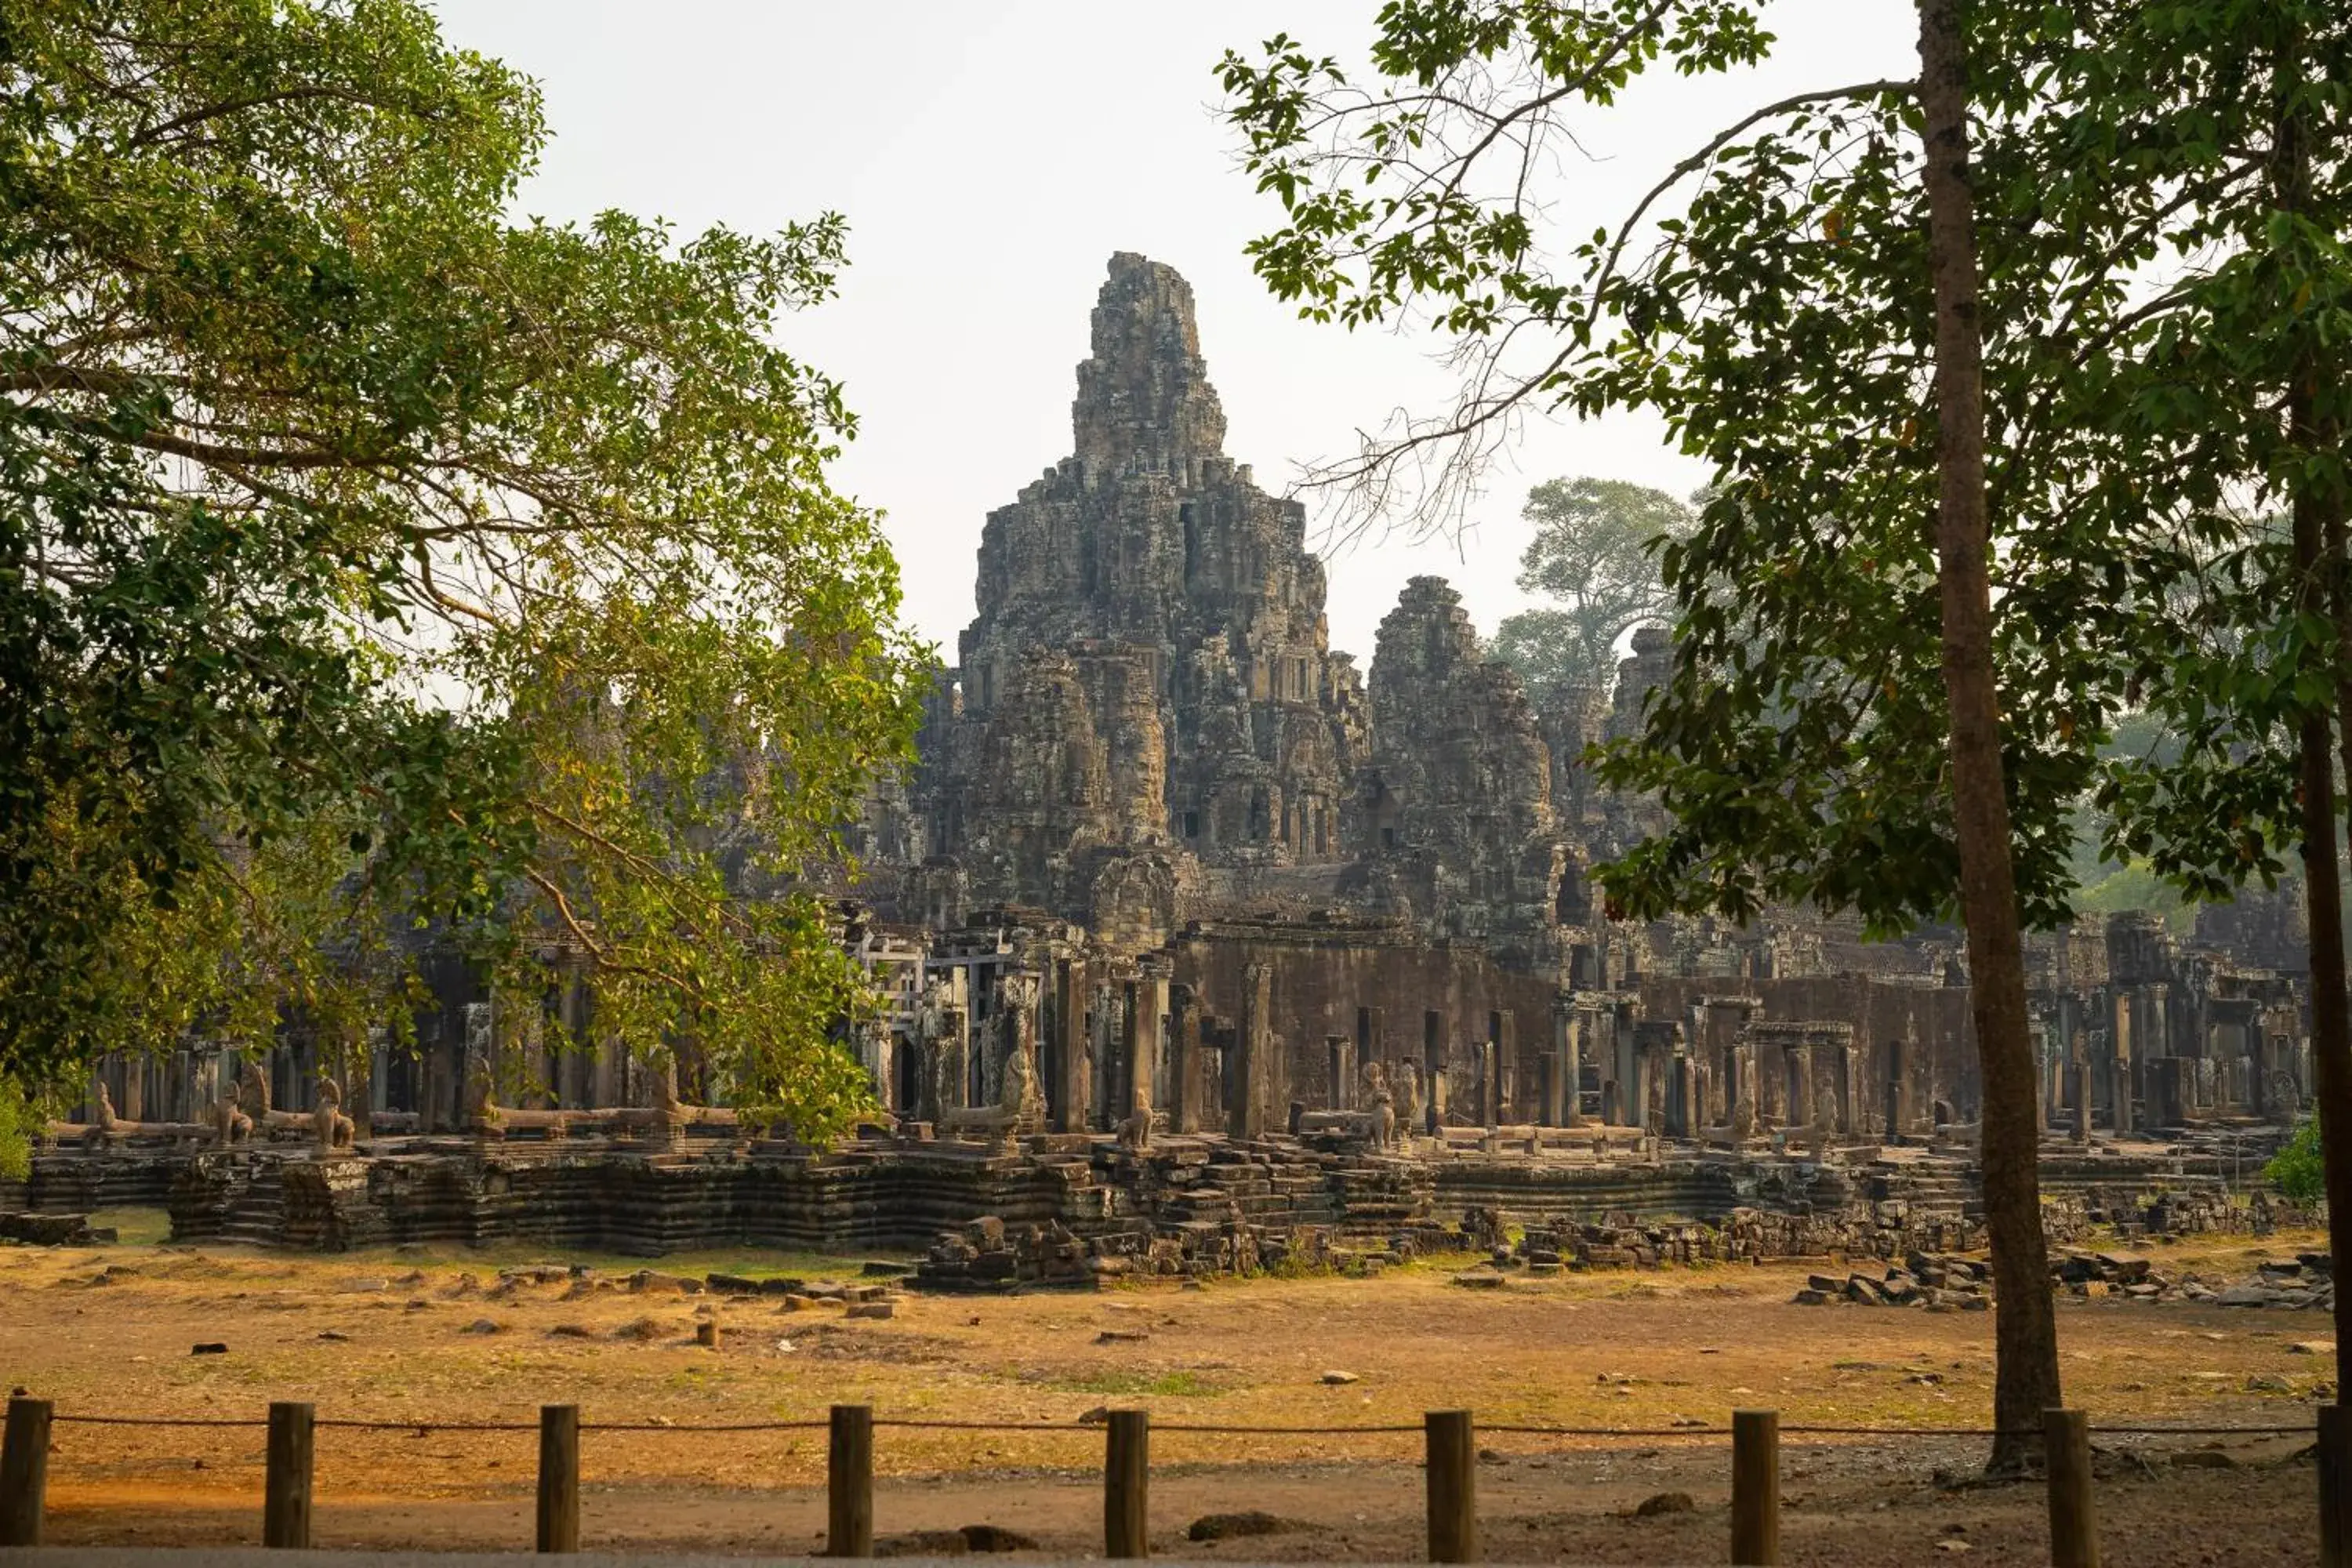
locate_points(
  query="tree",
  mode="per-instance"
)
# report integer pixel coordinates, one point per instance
(1782, 322)
(1436, 237)
(2024, 1326)
(378, 569)
(1595, 550)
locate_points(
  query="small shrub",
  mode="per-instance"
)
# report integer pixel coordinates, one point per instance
(2296, 1169)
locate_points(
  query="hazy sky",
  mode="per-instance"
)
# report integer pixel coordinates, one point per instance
(991, 156)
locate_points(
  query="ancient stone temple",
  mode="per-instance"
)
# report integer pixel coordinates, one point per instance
(1189, 940)
(1148, 693)
(1458, 803)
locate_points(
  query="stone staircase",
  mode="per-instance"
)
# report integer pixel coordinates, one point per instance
(257, 1213)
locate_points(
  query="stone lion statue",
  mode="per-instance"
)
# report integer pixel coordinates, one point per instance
(328, 1125)
(1135, 1130)
(230, 1124)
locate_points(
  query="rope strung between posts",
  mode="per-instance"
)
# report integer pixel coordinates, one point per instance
(61, 1418)
(1643, 1434)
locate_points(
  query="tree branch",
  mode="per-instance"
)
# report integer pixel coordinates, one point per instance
(155, 133)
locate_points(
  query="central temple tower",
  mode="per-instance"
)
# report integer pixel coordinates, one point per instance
(1147, 688)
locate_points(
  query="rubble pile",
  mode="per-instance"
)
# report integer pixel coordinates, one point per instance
(1869, 1230)
(1935, 1282)
(1927, 1280)
(989, 1255)
(2308, 1283)
(2176, 1211)
(52, 1229)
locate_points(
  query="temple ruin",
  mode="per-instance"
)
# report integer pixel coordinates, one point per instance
(1202, 947)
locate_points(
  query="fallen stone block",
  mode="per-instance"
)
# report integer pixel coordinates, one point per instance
(996, 1538)
(1234, 1526)
(2203, 1459)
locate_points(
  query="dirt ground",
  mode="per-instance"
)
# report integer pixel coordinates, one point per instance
(396, 1336)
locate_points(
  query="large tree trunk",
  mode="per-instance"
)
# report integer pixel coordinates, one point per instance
(2331, 1017)
(2321, 589)
(2025, 1326)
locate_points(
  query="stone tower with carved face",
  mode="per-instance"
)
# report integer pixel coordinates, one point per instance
(1146, 693)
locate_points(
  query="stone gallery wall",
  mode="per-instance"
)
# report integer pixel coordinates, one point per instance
(1379, 990)
(1925, 1031)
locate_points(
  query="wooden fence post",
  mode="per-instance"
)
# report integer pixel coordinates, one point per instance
(1453, 1464)
(559, 1478)
(24, 1471)
(2073, 1526)
(2336, 1486)
(286, 1482)
(849, 1483)
(1126, 1472)
(1756, 1487)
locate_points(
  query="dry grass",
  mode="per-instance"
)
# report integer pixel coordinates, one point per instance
(384, 1336)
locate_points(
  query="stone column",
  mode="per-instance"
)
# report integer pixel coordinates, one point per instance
(2082, 1103)
(1797, 1068)
(2118, 1055)
(1246, 1107)
(1744, 1111)
(1898, 1089)
(1026, 1097)
(952, 1066)
(1682, 1098)
(2169, 1090)
(1432, 1066)
(1561, 1108)
(1146, 1000)
(2049, 1079)
(359, 1080)
(1105, 1034)
(1339, 1054)
(1072, 1088)
(481, 1053)
(1625, 1055)
(1503, 1033)
(1612, 1106)
(1183, 1059)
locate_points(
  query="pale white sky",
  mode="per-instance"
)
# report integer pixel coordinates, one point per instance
(991, 156)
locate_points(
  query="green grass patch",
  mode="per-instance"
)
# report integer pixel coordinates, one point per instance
(134, 1227)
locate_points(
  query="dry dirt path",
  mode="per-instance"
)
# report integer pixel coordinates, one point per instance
(387, 1336)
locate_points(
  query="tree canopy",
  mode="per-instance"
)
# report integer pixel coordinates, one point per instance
(1769, 298)
(1594, 553)
(380, 567)
(2127, 265)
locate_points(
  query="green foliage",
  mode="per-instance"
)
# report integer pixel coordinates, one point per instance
(2137, 886)
(2143, 306)
(377, 566)
(20, 1120)
(2296, 1169)
(1595, 550)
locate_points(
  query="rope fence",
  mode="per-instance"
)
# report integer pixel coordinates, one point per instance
(1072, 1428)
(1450, 1458)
